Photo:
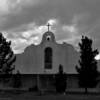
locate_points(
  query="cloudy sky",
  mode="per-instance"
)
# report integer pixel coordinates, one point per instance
(24, 21)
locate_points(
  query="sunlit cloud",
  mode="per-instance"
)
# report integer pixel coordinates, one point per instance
(97, 57)
(52, 21)
(32, 35)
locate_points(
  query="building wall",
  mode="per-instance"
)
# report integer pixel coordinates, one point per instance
(44, 81)
(72, 81)
(32, 60)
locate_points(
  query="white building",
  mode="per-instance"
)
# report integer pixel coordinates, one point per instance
(47, 56)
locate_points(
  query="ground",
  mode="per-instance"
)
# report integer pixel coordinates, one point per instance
(34, 96)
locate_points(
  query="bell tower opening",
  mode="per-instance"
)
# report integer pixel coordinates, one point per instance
(48, 38)
(48, 58)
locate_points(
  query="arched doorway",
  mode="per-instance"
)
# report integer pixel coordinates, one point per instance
(48, 58)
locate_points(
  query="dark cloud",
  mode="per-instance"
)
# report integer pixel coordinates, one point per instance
(63, 10)
(82, 13)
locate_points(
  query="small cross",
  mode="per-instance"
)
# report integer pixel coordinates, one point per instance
(48, 26)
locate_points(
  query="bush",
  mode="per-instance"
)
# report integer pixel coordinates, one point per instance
(60, 79)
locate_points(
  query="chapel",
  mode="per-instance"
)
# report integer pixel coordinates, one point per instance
(47, 56)
(39, 64)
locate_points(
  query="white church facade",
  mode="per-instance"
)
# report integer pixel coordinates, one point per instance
(47, 56)
(38, 64)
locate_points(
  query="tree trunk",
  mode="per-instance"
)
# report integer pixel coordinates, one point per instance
(86, 90)
(38, 82)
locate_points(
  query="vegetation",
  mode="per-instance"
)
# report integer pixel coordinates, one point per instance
(88, 65)
(60, 80)
(7, 57)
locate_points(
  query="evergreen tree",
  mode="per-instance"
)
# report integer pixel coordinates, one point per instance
(7, 57)
(88, 65)
(60, 80)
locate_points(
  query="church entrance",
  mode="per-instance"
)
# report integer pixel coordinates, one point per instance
(48, 58)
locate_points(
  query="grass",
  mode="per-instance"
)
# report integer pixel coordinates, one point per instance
(26, 95)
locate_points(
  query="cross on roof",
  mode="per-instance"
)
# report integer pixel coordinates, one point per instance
(48, 25)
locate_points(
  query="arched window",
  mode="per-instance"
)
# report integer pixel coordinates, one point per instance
(48, 58)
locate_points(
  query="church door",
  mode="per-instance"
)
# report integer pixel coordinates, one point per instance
(48, 58)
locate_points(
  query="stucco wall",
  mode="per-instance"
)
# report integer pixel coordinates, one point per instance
(32, 60)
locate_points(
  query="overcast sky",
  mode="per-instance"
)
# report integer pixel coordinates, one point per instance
(24, 21)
